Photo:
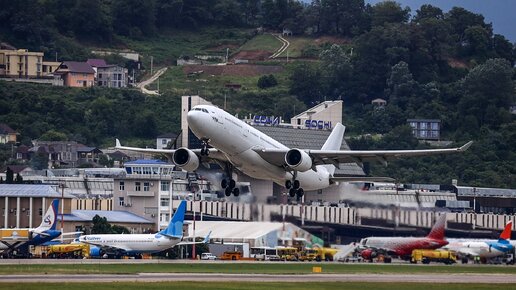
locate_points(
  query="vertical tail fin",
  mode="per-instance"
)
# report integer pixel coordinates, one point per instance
(50, 218)
(506, 234)
(437, 231)
(175, 227)
(334, 142)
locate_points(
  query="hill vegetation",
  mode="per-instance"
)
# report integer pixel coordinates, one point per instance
(439, 65)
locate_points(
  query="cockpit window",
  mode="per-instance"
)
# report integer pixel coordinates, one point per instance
(200, 109)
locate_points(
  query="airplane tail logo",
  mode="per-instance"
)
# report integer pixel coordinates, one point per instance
(175, 227)
(506, 234)
(50, 218)
(437, 231)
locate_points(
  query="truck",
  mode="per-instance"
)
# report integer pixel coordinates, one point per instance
(69, 251)
(324, 253)
(427, 256)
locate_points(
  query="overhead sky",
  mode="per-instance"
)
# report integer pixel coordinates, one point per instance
(501, 13)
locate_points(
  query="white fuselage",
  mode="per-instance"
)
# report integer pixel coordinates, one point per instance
(132, 243)
(238, 140)
(483, 249)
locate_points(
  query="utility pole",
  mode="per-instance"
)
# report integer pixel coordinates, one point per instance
(151, 62)
(62, 186)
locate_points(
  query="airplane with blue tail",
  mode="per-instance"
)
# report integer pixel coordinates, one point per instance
(45, 232)
(486, 249)
(138, 244)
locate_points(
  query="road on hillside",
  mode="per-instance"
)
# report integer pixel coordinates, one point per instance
(149, 81)
(284, 46)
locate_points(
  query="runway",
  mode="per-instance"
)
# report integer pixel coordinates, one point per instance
(216, 277)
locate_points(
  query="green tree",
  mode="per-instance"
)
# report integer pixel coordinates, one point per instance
(134, 18)
(9, 176)
(100, 225)
(90, 21)
(267, 81)
(304, 82)
(53, 135)
(389, 12)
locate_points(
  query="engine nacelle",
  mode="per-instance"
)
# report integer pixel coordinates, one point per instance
(368, 254)
(186, 159)
(96, 252)
(298, 160)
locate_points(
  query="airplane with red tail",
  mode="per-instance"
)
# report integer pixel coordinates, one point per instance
(373, 247)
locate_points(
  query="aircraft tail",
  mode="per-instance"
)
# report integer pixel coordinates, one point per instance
(437, 231)
(506, 234)
(175, 227)
(334, 142)
(49, 221)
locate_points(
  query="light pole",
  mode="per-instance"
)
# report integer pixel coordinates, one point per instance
(62, 186)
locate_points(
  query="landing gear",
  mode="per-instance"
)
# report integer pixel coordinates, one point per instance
(229, 184)
(294, 187)
(204, 150)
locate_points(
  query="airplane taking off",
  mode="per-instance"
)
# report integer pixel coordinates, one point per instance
(403, 246)
(136, 244)
(484, 249)
(237, 145)
(42, 234)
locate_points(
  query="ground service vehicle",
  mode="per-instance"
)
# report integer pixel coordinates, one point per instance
(427, 256)
(264, 254)
(325, 254)
(69, 251)
(231, 256)
(208, 256)
(307, 255)
(287, 253)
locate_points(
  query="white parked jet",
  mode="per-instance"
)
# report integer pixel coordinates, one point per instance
(237, 145)
(136, 244)
(484, 249)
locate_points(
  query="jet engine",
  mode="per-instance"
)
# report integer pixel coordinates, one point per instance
(298, 160)
(186, 159)
(368, 254)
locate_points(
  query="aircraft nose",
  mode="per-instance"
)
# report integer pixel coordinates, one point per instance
(195, 119)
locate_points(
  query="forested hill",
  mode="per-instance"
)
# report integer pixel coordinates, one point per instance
(434, 64)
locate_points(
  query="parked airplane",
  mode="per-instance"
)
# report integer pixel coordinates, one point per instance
(484, 249)
(44, 233)
(137, 244)
(403, 246)
(237, 145)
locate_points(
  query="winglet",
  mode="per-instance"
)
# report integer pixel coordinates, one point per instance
(465, 146)
(207, 238)
(506, 234)
(117, 143)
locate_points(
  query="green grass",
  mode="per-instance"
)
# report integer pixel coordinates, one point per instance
(168, 46)
(265, 42)
(245, 285)
(246, 268)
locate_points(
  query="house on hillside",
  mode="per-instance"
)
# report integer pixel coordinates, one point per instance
(109, 75)
(7, 134)
(20, 63)
(65, 153)
(75, 74)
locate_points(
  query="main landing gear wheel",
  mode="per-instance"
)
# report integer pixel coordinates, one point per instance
(229, 187)
(292, 192)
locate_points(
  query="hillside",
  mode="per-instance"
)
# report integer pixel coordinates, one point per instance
(431, 64)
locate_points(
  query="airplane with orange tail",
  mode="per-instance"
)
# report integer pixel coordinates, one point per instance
(486, 249)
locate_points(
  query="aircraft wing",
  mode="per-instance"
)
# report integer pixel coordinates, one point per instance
(335, 157)
(192, 241)
(215, 155)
